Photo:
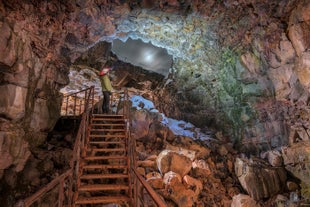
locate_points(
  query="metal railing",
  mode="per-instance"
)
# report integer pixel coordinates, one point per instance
(142, 193)
(66, 181)
(139, 190)
(75, 104)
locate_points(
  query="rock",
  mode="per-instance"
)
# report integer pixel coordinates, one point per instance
(62, 157)
(222, 150)
(281, 201)
(297, 160)
(177, 192)
(68, 138)
(274, 158)
(201, 168)
(141, 171)
(31, 174)
(242, 200)
(302, 134)
(194, 184)
(8, 42)
(147, 163)
(259, 179)
(280, 78)
(169, 176)
(155, 180)
(141, 123)
(173, 161)
(14, 149)
(303, 69)
(45, 117)
(230, 166)
(183, 151)
(298, 27)
(251, 63)
(283, 54)
(232, 191)
(12, 101)
(46, 166)
(292, 186)
(189, 144)
(152, 157)
(10, 178)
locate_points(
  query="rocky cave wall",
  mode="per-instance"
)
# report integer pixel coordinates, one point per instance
(245, 72)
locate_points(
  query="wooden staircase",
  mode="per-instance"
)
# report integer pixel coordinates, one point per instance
(103, 176)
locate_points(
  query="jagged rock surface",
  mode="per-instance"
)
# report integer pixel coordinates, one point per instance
(233, 71)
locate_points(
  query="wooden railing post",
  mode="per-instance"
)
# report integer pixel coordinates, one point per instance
(61, 192)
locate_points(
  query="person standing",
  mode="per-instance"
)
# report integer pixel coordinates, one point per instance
(106, 88)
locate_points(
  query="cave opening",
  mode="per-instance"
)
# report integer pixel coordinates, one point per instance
(144, 55)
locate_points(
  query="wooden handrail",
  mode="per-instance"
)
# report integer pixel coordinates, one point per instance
(78, 102)
(149, 189)
(74, 162)
(136, 179)
(30, 200)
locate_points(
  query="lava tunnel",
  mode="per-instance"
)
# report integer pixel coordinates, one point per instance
(219, 94)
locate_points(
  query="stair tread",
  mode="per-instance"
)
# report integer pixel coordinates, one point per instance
(108, 119)
(107, 130)
(107, 142)
(101, 187)
(106, 149)
(102, 199)
(101, 176)
(114, 115)
(110, 124)
(100, 166)
(103, 130)
(104, 157)
(107, 135)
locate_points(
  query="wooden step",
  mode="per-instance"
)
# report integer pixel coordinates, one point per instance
(107, 150)
(112, 157)
(108, 119)
(110, 125)
(102, 199)
(107, 115)
(95, 120)
(103, 187)
(107, 130)
(87, 167)
(107, 135)
(103, 176)
(105, 142)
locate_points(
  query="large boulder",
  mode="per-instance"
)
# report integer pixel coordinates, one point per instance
(297, 161)
(242, 200)
(259, 179)
(141, 122)
(299, 25)
(174, 161)
(274, 158)
(303, 69)
(12, 101)
(14, 151)
(177, 192)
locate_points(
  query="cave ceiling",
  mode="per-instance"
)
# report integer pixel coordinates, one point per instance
(227, 57)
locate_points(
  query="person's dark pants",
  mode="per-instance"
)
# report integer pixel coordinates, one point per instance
(106, 102)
